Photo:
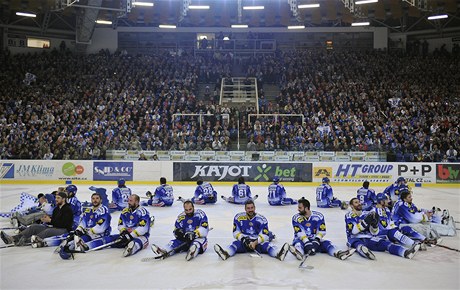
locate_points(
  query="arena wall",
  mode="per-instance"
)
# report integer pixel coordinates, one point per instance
(183, 172)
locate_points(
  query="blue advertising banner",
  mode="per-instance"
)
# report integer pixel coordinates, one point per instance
(113, 170)
(6, 170)
(254, 171)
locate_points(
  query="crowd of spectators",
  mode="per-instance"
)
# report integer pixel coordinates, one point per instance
(360, 101)
(80, 107)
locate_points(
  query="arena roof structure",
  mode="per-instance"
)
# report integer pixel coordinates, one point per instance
(76, 16)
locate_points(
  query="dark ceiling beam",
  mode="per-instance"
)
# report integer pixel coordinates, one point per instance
(386, 25)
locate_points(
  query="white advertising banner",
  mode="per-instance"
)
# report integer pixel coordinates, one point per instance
(46, 170)
(377, 172)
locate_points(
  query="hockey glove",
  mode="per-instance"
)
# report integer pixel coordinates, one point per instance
(125, 237)
(309, 248)
(189, 237)
(179, 234)
(246, 242)
(375, 222)
(316, 244)
(368, 220)
(80, 232)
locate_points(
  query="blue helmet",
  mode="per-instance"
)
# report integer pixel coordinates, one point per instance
(71, 189)
(65, 255)
(325, 180)
(276, 178)
(121, 182)
(381, 196)
(400, 179)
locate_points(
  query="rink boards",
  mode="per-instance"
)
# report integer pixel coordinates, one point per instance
(184, 172)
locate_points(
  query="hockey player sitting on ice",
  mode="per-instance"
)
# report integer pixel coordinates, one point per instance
(241, 193)
(325, 196)
(94, 223)
(30, 208)
(204, 193)
(163, 195)
(428, 223)
(309, 231)
(277, 194)
(33, 214)
(134, 228)
(362, 230)
(190, 232)
(71, 191)
(102, 192)
(120, 196)
(393, 191)
(387, 228)
(59, 223)
(366, 196)
(250, 230)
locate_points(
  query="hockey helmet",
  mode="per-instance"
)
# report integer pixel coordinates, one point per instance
(400, 179)
(381, 196)
(276, 179)
(326, 180)
(71, 189)
(64, 254)
(121, 182)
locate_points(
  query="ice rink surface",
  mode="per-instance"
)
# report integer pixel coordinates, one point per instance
(28, 268)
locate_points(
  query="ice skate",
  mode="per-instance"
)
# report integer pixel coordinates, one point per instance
(283, 252)
(296, 252)
(129, 249)
(363, 251)
(192, 252)
(221, 252)
(410, 253)
(344, 254)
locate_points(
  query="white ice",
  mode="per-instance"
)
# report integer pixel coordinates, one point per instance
(28, 268)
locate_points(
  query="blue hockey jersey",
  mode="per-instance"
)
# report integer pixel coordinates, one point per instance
(120, 196)
(367, 198)
(255, 228)
(96, 221)
(197, 223)
(241, 193)
(309, 228)
(163, 194)
(136, 222)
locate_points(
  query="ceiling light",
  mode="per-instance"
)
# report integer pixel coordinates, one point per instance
(302, 6)
(26, 14)
(103, 22)
(253, 7)
(239, 26)
(167, 26)
(365, 2)
(434, 17)
(147, 4)
(296, 27)
(196, 7)
(360, 24)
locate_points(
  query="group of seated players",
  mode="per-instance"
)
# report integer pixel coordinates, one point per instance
(387, 221)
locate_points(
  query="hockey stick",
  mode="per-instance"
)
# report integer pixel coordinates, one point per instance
(255, 254)
(13, 245)
(167, 254)
(302, 264)
(227, 199)
(449, 248)
(96, 248)
(64, 243)
(10, 228)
